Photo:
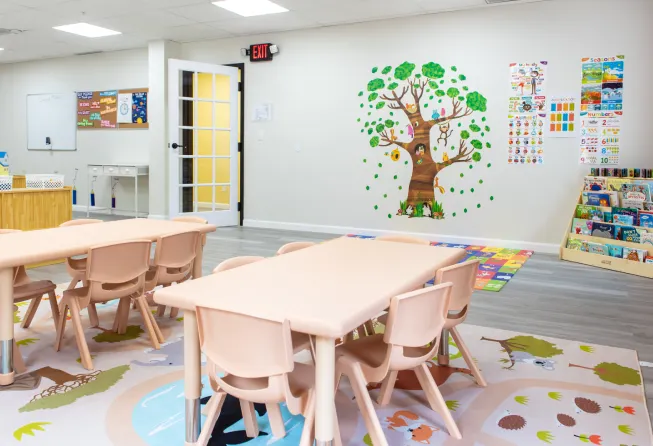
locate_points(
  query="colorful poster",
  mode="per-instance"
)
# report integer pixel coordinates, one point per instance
(139, 108)
(124, 108)
(603, 83)
(600, 135)
(528, 84)
(562, 117)
(525, 139)
(4, 163)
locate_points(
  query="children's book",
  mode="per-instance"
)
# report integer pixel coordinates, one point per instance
(637, 255)
(646, 238)
(598, 199)
(632, 235)
(595, 183)
(620, 219)
(616, 184)
(585, 212)
(649, 259)
(575, 244)
(634, 203)
(627, 189)
(604, 230)
(645, 219)
(615, 251)
(579, 226)
(598, 248)
(625, 211)
(612, 200)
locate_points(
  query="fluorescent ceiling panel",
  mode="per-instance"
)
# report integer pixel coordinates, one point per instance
(87, 30)
(250, 8)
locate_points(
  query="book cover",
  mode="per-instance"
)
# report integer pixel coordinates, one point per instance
(580, 226)
(630, 235)
(645, 219)
(598, 248)
(636, 255)
(644, 189)
(603, 230)
(625, 211)
(620, 219)
(595, 183)
(586, 212)
(616, 184)
(615, 251)
(575, 244)
(598, 199)
(633, 203)
(646, 238)
(649, 259)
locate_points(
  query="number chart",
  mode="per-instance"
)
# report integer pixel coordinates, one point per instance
(600, 135)
(562, 117)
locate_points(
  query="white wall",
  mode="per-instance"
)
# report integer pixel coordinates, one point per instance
(105, 71)
(313, 85)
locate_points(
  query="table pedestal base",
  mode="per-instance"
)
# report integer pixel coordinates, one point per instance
(443, 349)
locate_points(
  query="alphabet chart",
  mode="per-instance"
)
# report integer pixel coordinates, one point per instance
(600, 134)
(562, 117)
(525, 139)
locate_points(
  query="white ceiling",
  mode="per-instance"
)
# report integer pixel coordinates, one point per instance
(141, 21)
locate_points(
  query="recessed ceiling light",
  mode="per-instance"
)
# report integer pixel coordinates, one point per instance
(87, 30)
(249, 8)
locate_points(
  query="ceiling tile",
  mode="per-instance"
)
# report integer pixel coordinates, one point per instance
(74, 11)
(156, 20)
(264, 24)
(27, 19)
(187, 33)
(204, 12)
(6, 7)
(364, 10)
(164, 4)
(35, 3)
(449, 5)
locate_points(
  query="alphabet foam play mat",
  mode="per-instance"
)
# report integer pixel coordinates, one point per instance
(498, 265)
(541, 391)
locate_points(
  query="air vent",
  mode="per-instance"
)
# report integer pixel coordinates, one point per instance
(5, 31)
(88, 53)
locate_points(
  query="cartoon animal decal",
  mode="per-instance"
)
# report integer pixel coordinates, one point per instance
(413, 427)
(392, 135)
(528, 350)
(527, 358)
(412, 108)
(565, 420)
(511, 422)
(445, 132)
(436, 185)
(411, 131)
(586, 405)
(445, 157)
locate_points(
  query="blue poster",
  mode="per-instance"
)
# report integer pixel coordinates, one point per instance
(139, 108)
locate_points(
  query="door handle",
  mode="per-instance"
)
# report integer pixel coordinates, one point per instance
(177, 146)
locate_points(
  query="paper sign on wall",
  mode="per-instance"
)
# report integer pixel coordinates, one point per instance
(603, 83)
(600, 135)
(563, 112)
(528, 87)
(125, 108)
(525, 139)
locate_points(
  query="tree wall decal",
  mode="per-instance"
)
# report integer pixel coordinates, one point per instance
(429, 118)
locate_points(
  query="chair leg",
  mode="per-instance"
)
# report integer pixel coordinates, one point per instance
(92, 315)
(52, 298)
(309, 421)
(174, 312)
(73, 283)
(157, 330)
(386, 388)
(142, 305)
(19, 363)
(468, 357)
(436, 401)
(124, 315)
(31, 311)
(213, 409)
(276, 420)
(249, 417)
(61, 324)
(160, 310)
(79, 334)
(359, 385)
(116, 319)
(337, 439)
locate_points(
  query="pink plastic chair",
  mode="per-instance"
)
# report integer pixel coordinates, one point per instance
(300, 341)
(173, 263)
(115, 271)
(256, 371)
(403, 239)
(463, 277)
(294, 246)
(415, 320)
(76, 267)
(198, 220)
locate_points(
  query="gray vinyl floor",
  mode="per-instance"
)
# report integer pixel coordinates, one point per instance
(547, 297)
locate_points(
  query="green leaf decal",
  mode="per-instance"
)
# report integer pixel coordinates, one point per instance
(626, 429)
(25, 342)
(545, 436)
(29, 429)
(523, 400)
(555, 396)
(587, 348)
(452, 405)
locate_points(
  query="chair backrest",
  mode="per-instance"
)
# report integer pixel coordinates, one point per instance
(198, 220)
(174, 256)
(235, 262)
(117, 270)
(294, 246)
(463, 277)
(403, 239)
(81, 221)
(20, 274)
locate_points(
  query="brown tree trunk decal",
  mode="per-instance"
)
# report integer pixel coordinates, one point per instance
(55, 375)
(406, 95)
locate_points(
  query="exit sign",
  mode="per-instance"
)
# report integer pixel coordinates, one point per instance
(260, 52)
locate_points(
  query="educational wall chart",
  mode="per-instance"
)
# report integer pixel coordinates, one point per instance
(600, 134)
(112, 109)
(528, 87)
(525, 139)
(4, 163)
(601, 109)
(527, 113)
(562, 117)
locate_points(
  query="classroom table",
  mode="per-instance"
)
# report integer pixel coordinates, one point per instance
(22, 248)
(326, 290)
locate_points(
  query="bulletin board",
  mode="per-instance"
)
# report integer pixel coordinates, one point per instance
(112, 109)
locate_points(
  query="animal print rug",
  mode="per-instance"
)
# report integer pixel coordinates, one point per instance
(541, 391)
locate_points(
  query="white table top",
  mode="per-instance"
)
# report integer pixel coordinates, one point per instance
(23, 248)
(325, 290)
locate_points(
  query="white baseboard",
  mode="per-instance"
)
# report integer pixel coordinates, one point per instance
(105, 210)
(548, 248)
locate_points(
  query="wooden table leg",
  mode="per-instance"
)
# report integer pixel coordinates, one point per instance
(6, 326)
(324, 391)
(193, 364)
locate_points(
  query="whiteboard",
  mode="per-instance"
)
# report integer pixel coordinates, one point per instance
(52, 116)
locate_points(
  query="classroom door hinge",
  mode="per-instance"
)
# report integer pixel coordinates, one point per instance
(240, 206)
(240, 86)
(240, 146)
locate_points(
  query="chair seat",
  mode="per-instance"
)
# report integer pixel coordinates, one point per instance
(372, 350)
(77, 264)
(33, 289)
(300, 380)
(300, 341)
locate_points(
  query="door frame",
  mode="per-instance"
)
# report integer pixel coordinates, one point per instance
(241, 146)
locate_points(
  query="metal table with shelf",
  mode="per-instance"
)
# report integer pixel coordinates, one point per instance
(117, 170)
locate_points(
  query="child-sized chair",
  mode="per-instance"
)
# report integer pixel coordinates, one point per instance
(294, 246)
(300, 341)
(415, 320)
(259, 370)
(113, 271)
